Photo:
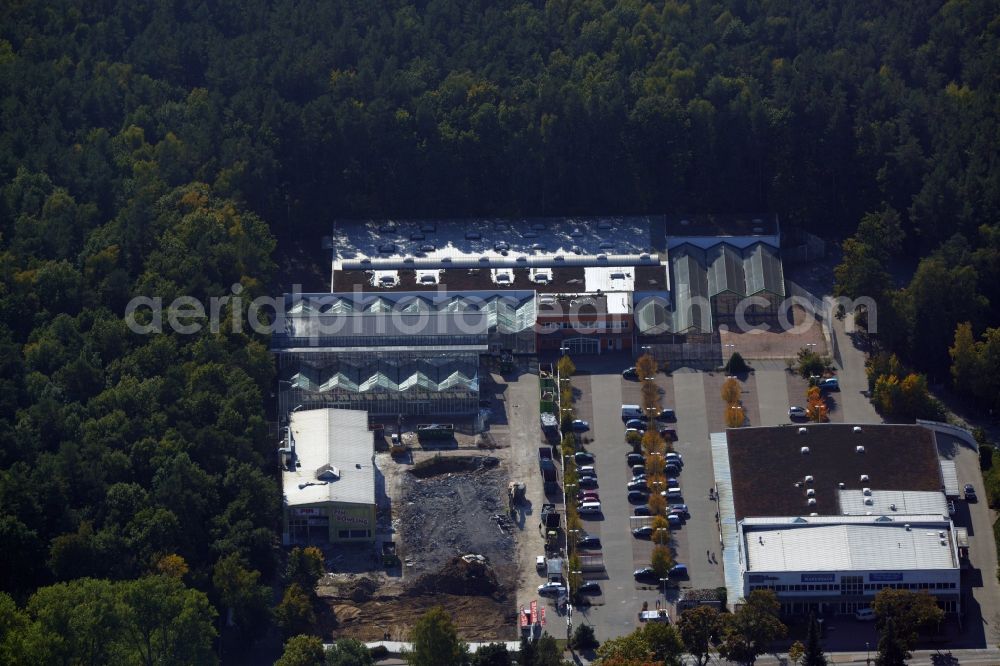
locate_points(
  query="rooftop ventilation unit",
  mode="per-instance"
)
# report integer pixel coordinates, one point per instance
(859, 449)
(941, 534)
(813, 514)
(803, 431)
(804, 450)
(906, 527)
(810, 493)
(809, 478)
(841, 485)
(867, 492)
(864, 477)
(811, 501)
(857, 428)
(892, 507)
(869, 501)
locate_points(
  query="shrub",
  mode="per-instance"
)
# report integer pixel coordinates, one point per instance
(736, 365)
(583, 638)
(379, 652)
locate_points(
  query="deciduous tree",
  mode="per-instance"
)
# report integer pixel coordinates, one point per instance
(435, 642)
(699, 626)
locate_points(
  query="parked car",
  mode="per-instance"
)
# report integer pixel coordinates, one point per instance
(674, 456)
(679, 571)
(639, 477)
(643, 510)
(865, 615)
(586, 470)
(970, 493)
(673, 493)
(829, 384)
(680, 509)
(630, 373)
(643, 532)
(638, 469)
(589, 508)
(638, 496)
(540, 563)
(638, 485)
(638, 424)
(669, 434)
(671, 470)
(797, 412)
(667, 415)
(551, 589)
(675, 520)
(579, 425)
(635, 459)
(589, 587)
(635, 430)
(646, 575)
(589, 541)
(583, 458)
(584, 494)
(587, 481)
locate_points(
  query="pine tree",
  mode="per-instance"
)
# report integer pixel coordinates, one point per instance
(813, 655)
(891, 650)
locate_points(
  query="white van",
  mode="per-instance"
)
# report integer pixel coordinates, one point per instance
(631, 412)
(589, 507)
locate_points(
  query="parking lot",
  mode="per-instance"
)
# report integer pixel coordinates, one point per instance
(601, 391)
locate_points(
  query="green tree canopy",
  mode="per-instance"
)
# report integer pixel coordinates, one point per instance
(435, 642)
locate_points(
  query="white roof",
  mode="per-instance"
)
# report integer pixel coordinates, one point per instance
(426, 244)
(949, 477)
(331, 437)
(877, 544)
(609, 278)
(889, 502)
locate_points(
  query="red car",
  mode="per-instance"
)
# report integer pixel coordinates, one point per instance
(587, 496)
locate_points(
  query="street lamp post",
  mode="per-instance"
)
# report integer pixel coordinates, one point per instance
(868, 654)
(663, 583)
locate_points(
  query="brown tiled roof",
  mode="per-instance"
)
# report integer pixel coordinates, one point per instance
(767, 462)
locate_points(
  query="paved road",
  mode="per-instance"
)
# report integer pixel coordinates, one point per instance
(700, 535)
(772, 392)
(853, 379)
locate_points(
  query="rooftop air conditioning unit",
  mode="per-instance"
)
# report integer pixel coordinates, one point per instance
(859, 449)
(810, 493)
(864, 477)
(857, 428)
(841, 485)
(892, 507)
(867, 492)
(803, 431)
(906, 527)
(869, 501)
(813, 514)
(809, 478)
(811, 501)
(804, 450)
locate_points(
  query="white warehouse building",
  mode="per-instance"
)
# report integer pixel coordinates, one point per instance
(837, 564)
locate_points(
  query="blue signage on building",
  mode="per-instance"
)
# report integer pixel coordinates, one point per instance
(819, 578)
(885, 577)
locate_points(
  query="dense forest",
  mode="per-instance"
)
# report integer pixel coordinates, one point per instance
(166, 148)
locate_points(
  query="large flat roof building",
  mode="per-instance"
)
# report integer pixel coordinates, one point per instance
(328, 477)
(826, 515)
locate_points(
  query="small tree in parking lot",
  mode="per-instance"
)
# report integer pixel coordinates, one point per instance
(565, 367)
(655, 463)
(661, 531)
(735, 416)
(731, 391)
(657, 504)
(661, 561)
(646, 367)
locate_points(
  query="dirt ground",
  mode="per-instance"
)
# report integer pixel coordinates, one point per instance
(440, 504)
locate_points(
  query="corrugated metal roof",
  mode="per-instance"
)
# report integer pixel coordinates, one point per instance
(892, 502)
(335, 437)
(731, 547)
(850, 547)
(949, 477)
